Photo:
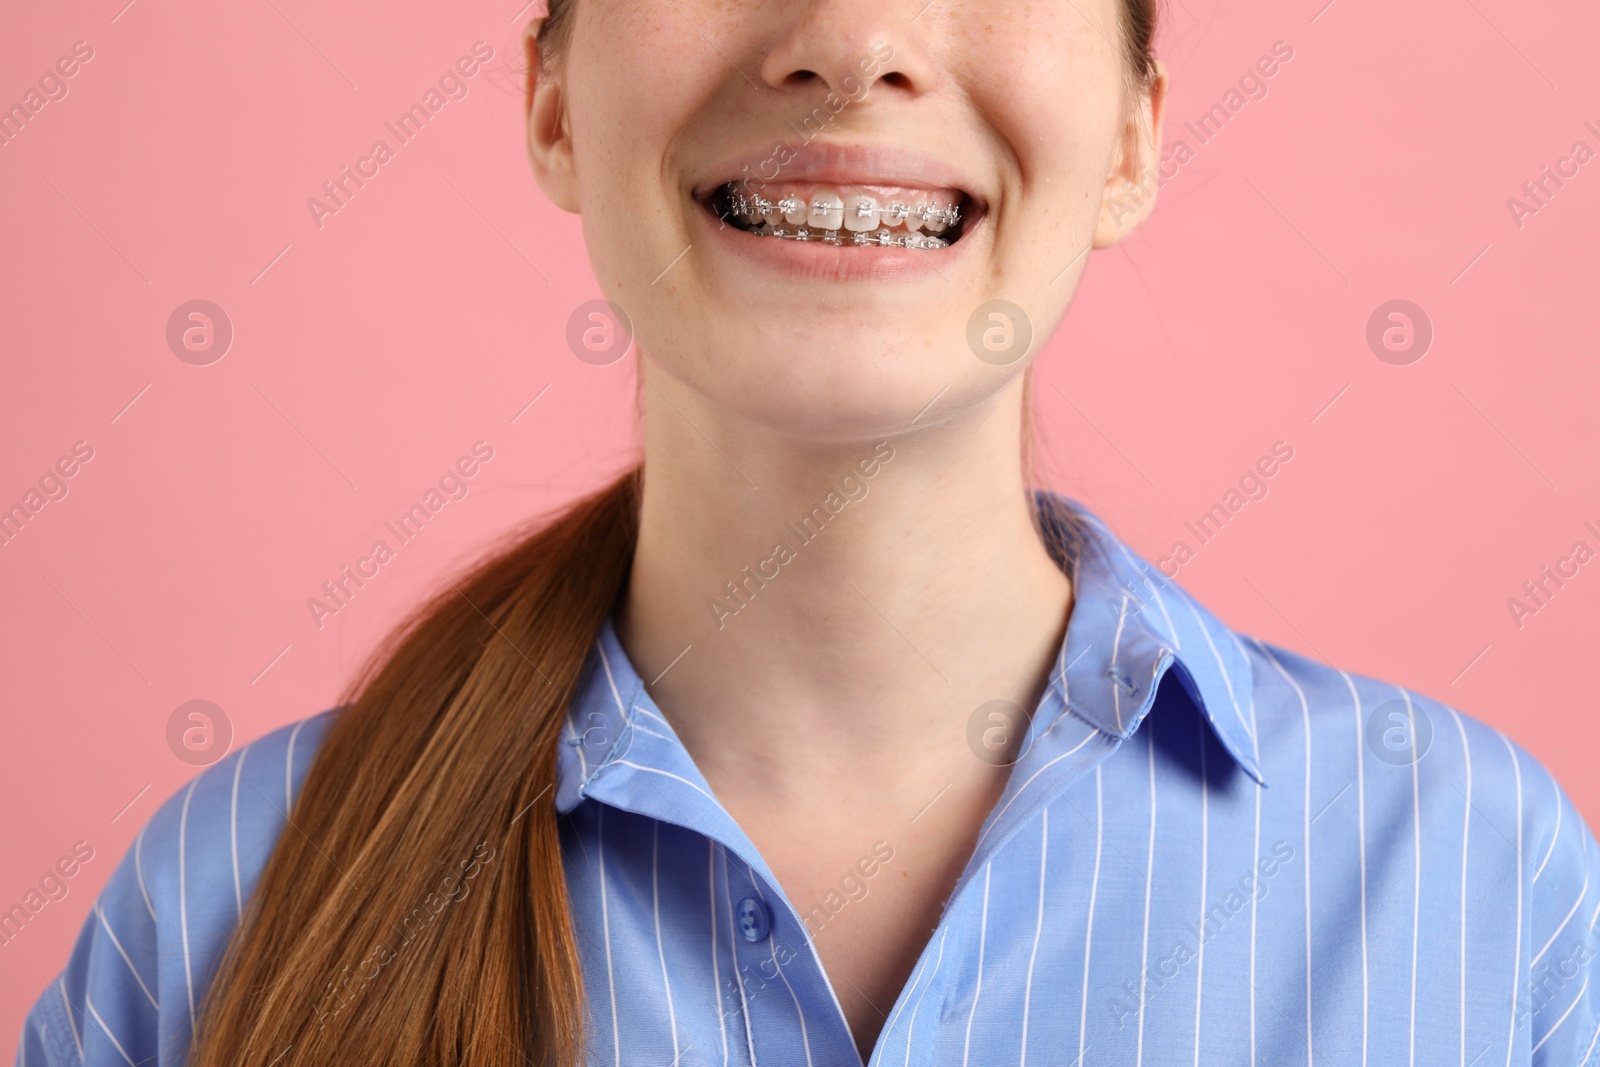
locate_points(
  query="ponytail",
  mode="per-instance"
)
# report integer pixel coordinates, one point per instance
(415, 910)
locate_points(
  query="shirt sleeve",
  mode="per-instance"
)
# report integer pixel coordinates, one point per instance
(1558, 991)
(102, 1009)
(135, 982)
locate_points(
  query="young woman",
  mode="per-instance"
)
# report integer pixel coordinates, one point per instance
(821, 739)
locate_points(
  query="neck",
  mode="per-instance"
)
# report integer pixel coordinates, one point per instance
(796, 605)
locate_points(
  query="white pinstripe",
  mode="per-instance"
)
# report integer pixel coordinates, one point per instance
(1038, 927)
(716, 964)
(1149, 886)
(1116, 643)
(638, 729)
(138, 870)
(1205, 846)
(99, 911)
(911, 1024)
(1516, 961)
(1575, 1000)
(1222, 668)
(665, 774)
(605, 926)
(605, 661)
(1361, 836)
(646, 711)
(1554, 837)
(72, 1024)
(1416, 875)
(233, 833)
(995, 821)
(772, 950)
(1255, 852)
(738, 972)
(1155, 583)
(183, 900)
(1305, 832)
(1575, 904)
(288, 770)
(661, 951)
(88, 1003)
(977, 991)
(1094, 891)
(611, 679)
(1586, 1052)
(1466, 834)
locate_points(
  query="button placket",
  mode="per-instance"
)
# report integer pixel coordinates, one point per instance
(781, 979)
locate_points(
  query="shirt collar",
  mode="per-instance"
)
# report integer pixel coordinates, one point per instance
(1130, 624)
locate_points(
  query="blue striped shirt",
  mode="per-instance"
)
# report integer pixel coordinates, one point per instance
(1211, 850)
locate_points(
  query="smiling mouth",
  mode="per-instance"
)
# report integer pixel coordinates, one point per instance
(868, 217)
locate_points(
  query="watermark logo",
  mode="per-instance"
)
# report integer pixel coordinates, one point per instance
(199, 732)
(599, 332)
(339, 992)
(52, 486)
(52, 88)
(818, 120)
(999, 333)
(453, 85)
(1399, 732)
(993, 732)
(852, 887)
(341, 590)
(1538, 192)
(1399, 332)
(51, 887)
(1225, 903)
(1252, 485)
(742, 591)
(1178, 153)
(199, 332)
(1537, 592)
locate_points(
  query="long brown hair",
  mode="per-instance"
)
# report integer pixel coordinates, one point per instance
(416, 911)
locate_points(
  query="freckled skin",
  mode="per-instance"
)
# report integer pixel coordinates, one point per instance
(1033, 104)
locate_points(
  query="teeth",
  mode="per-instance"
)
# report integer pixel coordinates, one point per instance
(860, 213)
(826, 211)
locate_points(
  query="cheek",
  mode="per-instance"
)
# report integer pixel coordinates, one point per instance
(1059, 121)
(629, 113)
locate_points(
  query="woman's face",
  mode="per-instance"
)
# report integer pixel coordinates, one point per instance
(1021, 116)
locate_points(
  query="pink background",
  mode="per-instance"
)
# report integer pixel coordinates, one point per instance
(371, 353)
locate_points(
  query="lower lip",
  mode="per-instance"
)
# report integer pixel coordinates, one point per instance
(820, 261)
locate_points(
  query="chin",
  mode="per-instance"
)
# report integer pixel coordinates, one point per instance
(851, 385)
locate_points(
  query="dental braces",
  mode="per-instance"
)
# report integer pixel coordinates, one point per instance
(879, 238)
(895, 211)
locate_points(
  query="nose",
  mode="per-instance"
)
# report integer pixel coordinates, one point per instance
(854, 49)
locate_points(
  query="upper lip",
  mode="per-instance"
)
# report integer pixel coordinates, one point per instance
(842, 164)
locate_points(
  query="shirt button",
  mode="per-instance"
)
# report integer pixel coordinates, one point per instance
(754, 921)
